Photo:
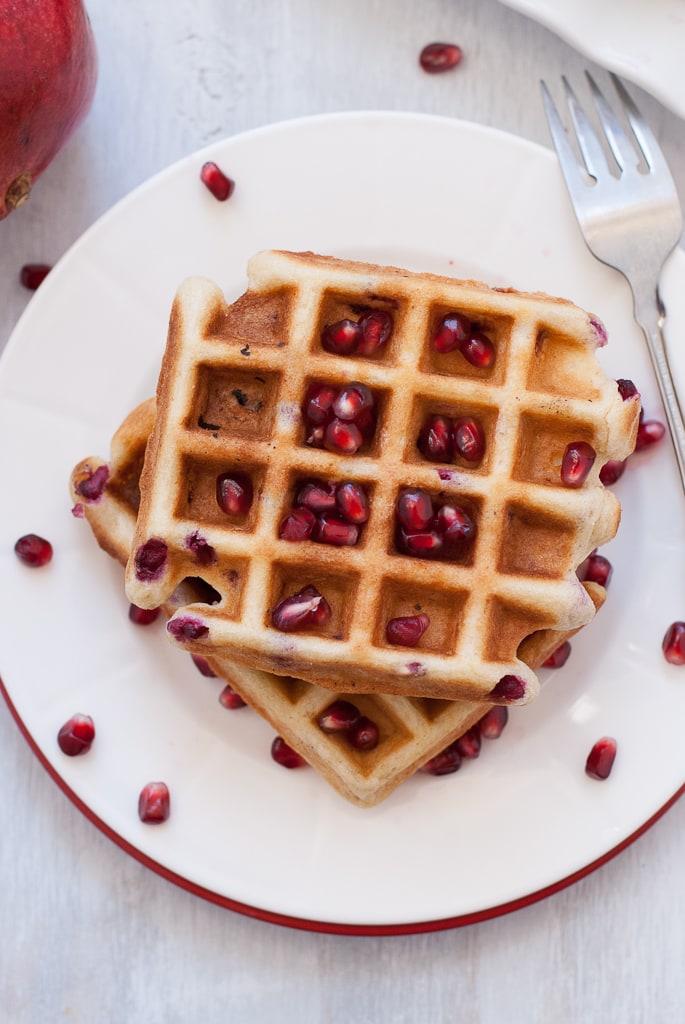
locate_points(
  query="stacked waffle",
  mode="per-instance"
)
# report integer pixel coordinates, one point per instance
(384, 483)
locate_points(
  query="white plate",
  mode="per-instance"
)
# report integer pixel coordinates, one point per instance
(421, 192)
(642, 40)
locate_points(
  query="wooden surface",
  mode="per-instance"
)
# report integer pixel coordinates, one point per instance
(86, 933)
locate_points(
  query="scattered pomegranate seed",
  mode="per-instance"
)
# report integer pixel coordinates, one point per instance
(437, 57)
(92, 486)
(340, 716)
(32, 275)
(421, 543)
(306, 608)
(351, 400)
(600, 760)
(648, 433)
(454, 330)
(352, 502)
(559, 657)
(33, 550)
(469, 439)
(626, 389)
(366, 423)
(364, 735)
(203, 666)
(342, 338)
(415, 509)
(216, 181)
(595, 569)
(478, 351)
(317, 497)
(407, 630)
(153, 803)
(444, 763)
(344, 438)
(228, 698)
(376, 327)
(612, 471)
(492, 724)
(234, 493)
(436, 440)
(468, 745)
(150, 560)
(510, 688)
(298, 525)
(285, 755)
(318, 402)
(332, 529)
(673, 644)
(187, 628)
(578, 460)
(142, 616)
(455, 524)
(76, 736)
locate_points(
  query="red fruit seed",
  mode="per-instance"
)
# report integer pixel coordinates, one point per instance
(228, 698)
(317, 497)
(234, 493)
(578, 460)
(332, 529)
(612, 471)
(203, 666)
(364, 735)
(595, 569)
(444, 763)
(76, 736)
(492, 724)
(558, 657)
(454, 330)
(673, 644)
(478, 350)
(142, 616)
(376, 328)
(339, 716)
(600, 760)
(407, 630)
(285, 755)
(298, 525)
(468, 745)
(415, 509)
(32, 275)
(153, 803)
(342, 337)
(352, 502)
(436, 440)
(648, 433)
(509, 689)
(437, 57)
(216, 181)
(469, 439)
(343, 438)
(301, 610)
(33, 550)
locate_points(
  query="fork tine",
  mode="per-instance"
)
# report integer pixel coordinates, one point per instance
(588, 142)
(644, 136)
(619, 143)
(567, 157)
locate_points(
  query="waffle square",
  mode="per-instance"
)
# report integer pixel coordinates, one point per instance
(232, 387)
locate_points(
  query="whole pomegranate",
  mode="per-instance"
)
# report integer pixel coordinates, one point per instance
(48, 68)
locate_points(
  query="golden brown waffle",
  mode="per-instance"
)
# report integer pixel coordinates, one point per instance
(232, 386)
(412, 730)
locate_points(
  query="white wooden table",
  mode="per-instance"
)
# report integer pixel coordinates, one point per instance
(88, 934)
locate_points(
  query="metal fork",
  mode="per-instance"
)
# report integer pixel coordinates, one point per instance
(632, 221)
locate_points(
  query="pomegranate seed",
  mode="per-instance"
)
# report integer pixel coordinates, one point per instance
(576, 464)
(509, 688)
(364, 735)
(600, 330)
(421, 543)
(318, 402)
(612, 471)
(33, 550)
(600, 760)
(648, 433)
(366, 423)
(153, 803)
(216, 181)
(407, 630)
(478, 351)
(331, 529)
(228, 698)
(673, 644)
(469, 439)
(351, 400)
(32, 275)
(317, 497)
(142, 616)
(444, 763)
(344, 438)
(187, 628)
(376, 328)
(627, 389)
(306, 608)
(93, 485)
(436, 440)
(150, 560)
(468, 745)
(76, 736)
(437, 57)
(203, 666)
(415, 509)
(285, 755)
(234, 493)
(340, 716)
(455, 524)
(204, 552)
(342, 337)
(352, 502)
(595, 569)
(297, 525)
(492, 724)
(559, 657)
(454, 330)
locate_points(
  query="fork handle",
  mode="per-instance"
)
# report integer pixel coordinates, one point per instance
(651, 315)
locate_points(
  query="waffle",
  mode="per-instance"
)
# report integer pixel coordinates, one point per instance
(233, 383)
(412, 730)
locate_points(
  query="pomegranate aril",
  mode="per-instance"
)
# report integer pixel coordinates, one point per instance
(153, 803)
(415, 509)
(218, 183)
(673, 644)
(203, 666)
(446, 762)
(317, 497)
(626, 389)
(234, 493)
(284, 754)
(648, 433)
(93, 484)
(366, 423)
(559, 657)
(76, 735)
(344, 438)
(478, 350)
(406, 630)
(454, 330)
(421, 543)
(340, 716)
(455, 525)
(332, 529)
(376, 328)
(351, 401)
(601, 758)
(150, 560)
(352, 502)
(342, 337)
(595, 569)
(187, 628)
(364, 735)
(33, 550)
(612, 471)
(298, 525)
(468, 745)
(436, 440)
(142, 616)
(203, 551)
(298, 611)
(469, 439)
(318, 402)
(492, 724)
(32, 275)
(437, 57)
(578, 460)
(510, 688)
(228, 698)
